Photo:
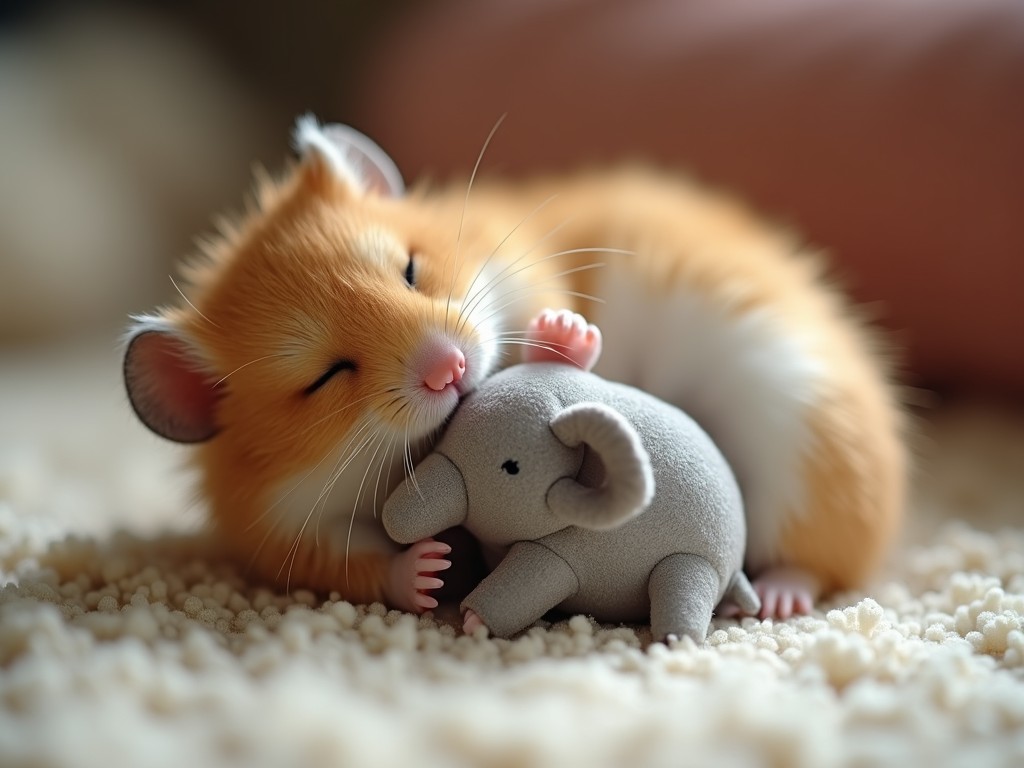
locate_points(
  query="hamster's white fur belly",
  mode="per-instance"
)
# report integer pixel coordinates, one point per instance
(747, 381)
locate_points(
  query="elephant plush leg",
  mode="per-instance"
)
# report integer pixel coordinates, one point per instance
(683, 591)
(528, 583)
(742, 595)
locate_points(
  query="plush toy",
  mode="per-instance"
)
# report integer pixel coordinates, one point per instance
(595, 497)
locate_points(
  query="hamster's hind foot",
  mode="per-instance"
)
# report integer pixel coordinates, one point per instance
(785, 592)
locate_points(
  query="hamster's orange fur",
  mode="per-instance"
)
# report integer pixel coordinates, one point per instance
(314, 273)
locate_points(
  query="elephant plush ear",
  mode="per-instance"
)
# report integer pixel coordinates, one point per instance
(347, 155)
(167, 386)
(629, 480)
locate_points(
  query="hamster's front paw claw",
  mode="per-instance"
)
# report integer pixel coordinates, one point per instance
(412, 575)
(422, 602)
(563, 336)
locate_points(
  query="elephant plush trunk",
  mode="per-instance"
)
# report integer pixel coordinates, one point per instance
(436, 502)
(629, 481)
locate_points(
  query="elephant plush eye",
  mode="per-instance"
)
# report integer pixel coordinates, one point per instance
(511, 467)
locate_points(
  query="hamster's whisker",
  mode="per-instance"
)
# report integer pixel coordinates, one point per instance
(494, 252)
(389, 455)
(263, 542)
(574, 270)
(534, 287)
(498, 278)
(332, 414)
(537, 345)
(188, 301)
(251, 362)
(320, 505)
(287, 493)
(462, 217)
(570, 252)
(527, 293)
(355, 505)
(519, 334)
(338, 471)
(402, 403)
(340, 454)
(345, 457)
(501, 334)
(503, 339)
(407, 469)
(366, 473)
(549, 257)
(409, 464)
(293, 551)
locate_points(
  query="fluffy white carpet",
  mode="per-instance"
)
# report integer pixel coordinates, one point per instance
(141, 648)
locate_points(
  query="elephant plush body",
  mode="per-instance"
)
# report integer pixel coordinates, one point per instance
(589, 496)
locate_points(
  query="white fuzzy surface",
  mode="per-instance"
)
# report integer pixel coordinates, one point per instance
(141, 648)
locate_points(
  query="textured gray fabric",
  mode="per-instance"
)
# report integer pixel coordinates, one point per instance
(510, 460)
(530, 569)
(437, 501)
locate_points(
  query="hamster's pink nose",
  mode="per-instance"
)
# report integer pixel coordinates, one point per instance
(447, 368)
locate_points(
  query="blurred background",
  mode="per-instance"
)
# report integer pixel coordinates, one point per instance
(890, 132)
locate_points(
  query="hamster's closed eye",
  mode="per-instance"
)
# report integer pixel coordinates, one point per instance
(330, 373)
(410, 271)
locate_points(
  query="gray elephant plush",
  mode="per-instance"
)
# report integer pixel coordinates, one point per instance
(595, 497)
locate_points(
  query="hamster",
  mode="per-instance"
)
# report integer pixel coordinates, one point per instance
(325, 336)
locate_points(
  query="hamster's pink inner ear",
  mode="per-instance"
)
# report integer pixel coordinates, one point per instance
(169, 393)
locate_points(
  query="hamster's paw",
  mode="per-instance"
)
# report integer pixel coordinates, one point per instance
(563, 336)
(411, 575)
(786, 592)
(471, 622)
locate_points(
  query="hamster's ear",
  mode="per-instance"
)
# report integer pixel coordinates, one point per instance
(352, 157)
(168, 390)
